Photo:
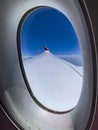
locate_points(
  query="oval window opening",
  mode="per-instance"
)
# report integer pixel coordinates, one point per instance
(51, 59)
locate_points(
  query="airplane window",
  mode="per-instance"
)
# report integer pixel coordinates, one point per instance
(51, 59)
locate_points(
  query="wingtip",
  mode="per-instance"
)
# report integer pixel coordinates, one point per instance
(45, 49)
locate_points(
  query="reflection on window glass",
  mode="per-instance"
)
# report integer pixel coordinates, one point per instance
(52, 59)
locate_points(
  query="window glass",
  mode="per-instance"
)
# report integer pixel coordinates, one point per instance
(52, 59)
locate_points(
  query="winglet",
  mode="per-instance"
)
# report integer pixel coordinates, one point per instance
(46, 49)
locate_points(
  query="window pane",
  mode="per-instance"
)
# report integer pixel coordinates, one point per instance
(52, 59)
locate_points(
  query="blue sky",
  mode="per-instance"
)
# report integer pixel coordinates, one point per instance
(49, 27)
